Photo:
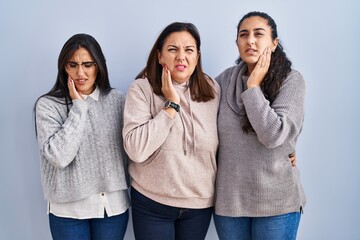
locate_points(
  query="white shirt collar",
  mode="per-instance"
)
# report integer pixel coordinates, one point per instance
(94, 95)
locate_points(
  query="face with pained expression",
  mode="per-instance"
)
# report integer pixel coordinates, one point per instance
(254, 36)
(83, 70)
(180, 55)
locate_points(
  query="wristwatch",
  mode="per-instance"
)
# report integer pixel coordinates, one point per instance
(172, 105)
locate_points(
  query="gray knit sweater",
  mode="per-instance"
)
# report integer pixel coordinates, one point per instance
(255, 177)
(81, 151)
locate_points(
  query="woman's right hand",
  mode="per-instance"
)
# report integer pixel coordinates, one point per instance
(167, 86)
(74, 94)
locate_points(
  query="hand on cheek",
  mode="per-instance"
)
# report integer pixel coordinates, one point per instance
(260, 70)
(74, 94)
(167, 86)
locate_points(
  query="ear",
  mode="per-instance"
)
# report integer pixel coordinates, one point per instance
(274, 44)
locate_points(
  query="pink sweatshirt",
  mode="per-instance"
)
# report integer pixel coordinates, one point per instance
(173, 160)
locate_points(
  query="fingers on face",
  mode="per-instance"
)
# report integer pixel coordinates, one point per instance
(264, 59)
(261, 61)
(268, 55)
(70, 82)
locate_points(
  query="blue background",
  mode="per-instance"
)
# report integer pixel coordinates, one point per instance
(320, 37)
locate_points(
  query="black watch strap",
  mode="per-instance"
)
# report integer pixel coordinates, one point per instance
(172, 105)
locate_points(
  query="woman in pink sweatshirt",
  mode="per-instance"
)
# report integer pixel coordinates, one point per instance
(170, 134)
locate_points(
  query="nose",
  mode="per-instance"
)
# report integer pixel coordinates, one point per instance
(80, 70)
(251, 39)
(181, 55)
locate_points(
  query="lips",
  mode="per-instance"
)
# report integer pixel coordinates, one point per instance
(180, 67)
(250, 50)
(81, 81)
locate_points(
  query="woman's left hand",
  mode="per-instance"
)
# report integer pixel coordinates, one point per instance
(260, 70)
(292, 158)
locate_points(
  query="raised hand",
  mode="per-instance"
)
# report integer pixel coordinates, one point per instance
(292, 158)
(167, 87)
(260, 70)
(74, 94)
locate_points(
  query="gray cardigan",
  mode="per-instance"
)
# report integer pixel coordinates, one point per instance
(255, 177)
(81, 151)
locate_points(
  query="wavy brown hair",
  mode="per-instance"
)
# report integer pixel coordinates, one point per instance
(279, 69)
(200, 88)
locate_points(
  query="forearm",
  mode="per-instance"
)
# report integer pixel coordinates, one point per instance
(59, 142)
(280, 122)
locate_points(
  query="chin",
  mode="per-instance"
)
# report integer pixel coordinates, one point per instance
(250, 60)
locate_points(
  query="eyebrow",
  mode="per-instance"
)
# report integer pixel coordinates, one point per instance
(175, 46)
(256, 29)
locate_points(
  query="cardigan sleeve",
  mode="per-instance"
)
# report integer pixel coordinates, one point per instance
(59, 141)
(143, 133)
(282, 121)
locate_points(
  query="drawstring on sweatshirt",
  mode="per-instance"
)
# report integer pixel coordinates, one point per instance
(181, 115)
(192, 122)
(184, 138)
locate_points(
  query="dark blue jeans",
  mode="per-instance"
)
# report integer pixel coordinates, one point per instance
(155, 221)
(281, 227)
(89, 229)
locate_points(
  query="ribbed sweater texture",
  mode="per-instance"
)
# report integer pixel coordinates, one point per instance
(173, 160)
(255, 177)
(81, 151)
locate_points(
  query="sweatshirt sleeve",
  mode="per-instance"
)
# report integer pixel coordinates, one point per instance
(282, 121)
(125, 157)
(143, 133)
(59, 141)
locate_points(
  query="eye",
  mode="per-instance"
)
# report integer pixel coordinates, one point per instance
(241, 35)
(71, 65)
(88, 64)
(172, 49)
(189, 50)
(259, 34)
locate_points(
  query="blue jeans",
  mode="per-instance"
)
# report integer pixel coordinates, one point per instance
(154, 221)
(281, 227)
(89, 229)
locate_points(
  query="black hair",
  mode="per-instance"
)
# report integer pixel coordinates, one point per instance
(60, 90)
(280, 65)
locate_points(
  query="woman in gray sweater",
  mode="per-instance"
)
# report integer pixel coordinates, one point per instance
(83, 163)
(258, 191)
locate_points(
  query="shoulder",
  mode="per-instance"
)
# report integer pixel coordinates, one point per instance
(49, 102)
(47, 106)
(295, 78)
(116, 93)
(225, 75)
(213, 83)
(142, 85)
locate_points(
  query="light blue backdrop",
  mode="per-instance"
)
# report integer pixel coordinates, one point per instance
(320, 37)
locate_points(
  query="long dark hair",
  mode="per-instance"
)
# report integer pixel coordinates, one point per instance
(60, 90)
(200, 89)
(280, 66)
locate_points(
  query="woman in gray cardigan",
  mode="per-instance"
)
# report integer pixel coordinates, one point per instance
(83, 163)
(258, 191)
